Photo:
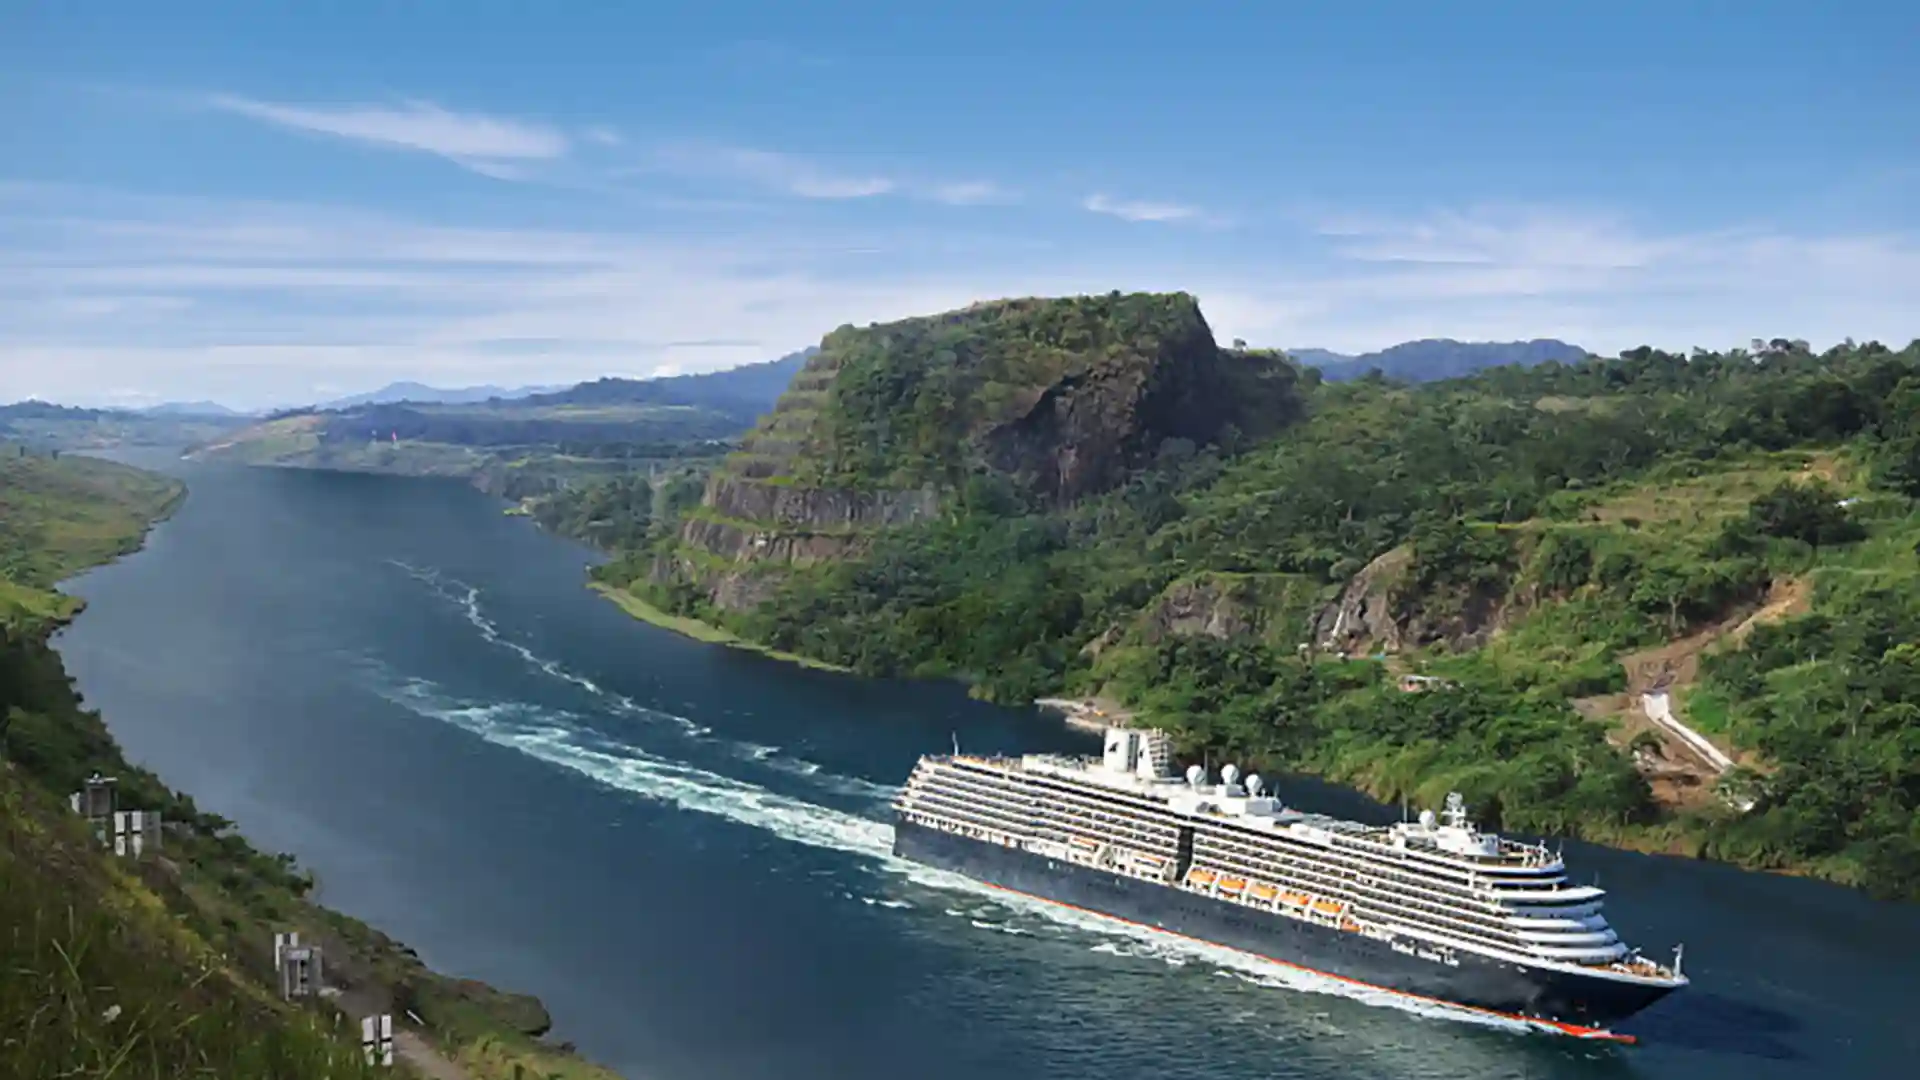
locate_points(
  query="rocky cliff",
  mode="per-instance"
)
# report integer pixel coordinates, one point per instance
(1382, 609)
(1277, 608)
(1046, 400)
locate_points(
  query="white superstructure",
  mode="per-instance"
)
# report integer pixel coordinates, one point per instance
(1434, 886)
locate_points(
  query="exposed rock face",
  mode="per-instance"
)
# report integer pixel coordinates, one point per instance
(1374, 614)
(740, 544)
(1084, 432)
(1362, 617)
(816, 508)
(880, 428)
(1196, 609)
(1274, 607)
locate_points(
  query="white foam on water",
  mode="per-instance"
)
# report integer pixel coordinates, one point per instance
(982, 924)
(548, 736)
(467, 599)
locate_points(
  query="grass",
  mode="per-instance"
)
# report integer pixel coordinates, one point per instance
(97, 979)
(163, 968)
(700, 631)
(61, 516)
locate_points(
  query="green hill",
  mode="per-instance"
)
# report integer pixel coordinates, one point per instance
(161, 967)
(998, 409)
(61, 516)
(1251, 557)
(522, 448)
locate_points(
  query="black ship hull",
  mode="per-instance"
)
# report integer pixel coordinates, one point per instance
(1569, 1001)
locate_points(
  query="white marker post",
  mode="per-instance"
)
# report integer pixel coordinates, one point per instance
(376, 1039)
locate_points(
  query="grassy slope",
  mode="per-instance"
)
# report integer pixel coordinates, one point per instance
(98, 979)
(1589, 506)
(181, 942)
(60, 517)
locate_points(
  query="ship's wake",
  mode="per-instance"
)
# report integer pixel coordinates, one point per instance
(563, 739)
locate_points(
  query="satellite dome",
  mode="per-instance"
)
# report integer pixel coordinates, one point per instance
(1427, 819)
(1196, 775)
(1228, 774)
(1254, 784)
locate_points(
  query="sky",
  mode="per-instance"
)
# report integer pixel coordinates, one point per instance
(271, 204)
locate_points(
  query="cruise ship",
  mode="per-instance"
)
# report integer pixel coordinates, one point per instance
(1433, 909)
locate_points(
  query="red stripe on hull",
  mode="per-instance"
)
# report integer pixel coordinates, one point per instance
(1572, 1030)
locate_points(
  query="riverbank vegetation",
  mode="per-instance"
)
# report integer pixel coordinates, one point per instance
(162, 966)
(60, 515)
(1518, 533)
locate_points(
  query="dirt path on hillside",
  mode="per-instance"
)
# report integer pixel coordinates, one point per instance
(408, 1046)
(1680, 774)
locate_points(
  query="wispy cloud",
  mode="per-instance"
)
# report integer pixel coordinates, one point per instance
(259, 303)
(969, 193)
(1592, 277)
(1138, 210)
(793, 175)
(490, 145)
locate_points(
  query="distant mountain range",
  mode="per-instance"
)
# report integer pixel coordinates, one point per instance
(746, 391)
(422, 394)
(1437, 358)
(191, 408)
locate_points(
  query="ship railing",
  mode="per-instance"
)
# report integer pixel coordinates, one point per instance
(1640, 966)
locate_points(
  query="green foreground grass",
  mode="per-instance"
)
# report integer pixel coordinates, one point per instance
(99, 979)
(162, 967)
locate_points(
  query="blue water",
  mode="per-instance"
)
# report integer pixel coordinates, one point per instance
(682, 848)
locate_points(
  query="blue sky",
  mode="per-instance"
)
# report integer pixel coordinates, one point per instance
(266, 206)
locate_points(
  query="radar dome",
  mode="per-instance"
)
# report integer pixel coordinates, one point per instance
(1427, 819)
(1228, 774)
(1196, 775)
(1254, 784)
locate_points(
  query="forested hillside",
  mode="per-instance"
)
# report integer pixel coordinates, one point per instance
(1438, 358)
(529, 448)
(1739, 527)
(161, 967)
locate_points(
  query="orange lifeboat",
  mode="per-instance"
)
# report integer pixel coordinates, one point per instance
(1199, 876)
(1264, 891)
(1233, 884)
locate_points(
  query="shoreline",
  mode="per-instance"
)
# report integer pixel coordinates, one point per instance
(702, 631)
(1087, 714)
(474, 1030)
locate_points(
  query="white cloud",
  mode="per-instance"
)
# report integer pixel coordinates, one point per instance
(254, 304)
(1595, 279)
(969, 193)
(604, 135)
(765, 168)
(488, 145)
(1135, 210)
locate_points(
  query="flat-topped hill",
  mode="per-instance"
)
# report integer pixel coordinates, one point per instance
(1034, 402)
(1060, 395)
